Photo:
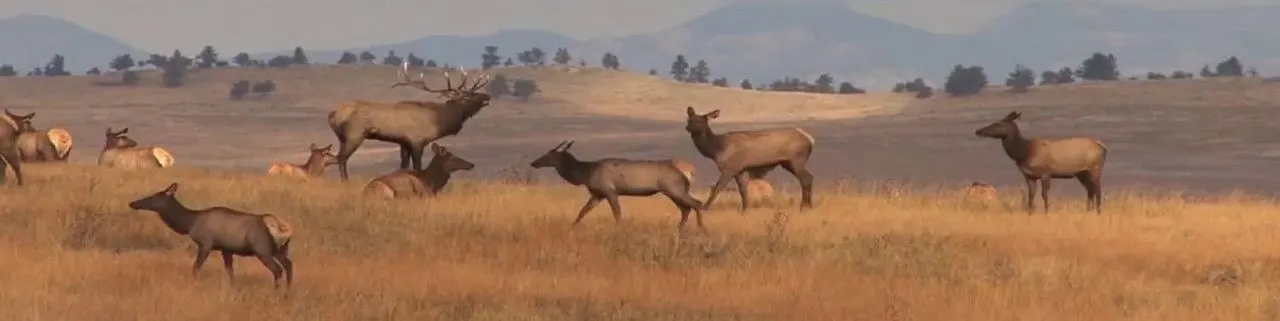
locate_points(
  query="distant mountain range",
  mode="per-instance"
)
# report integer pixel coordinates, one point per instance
(763, 42)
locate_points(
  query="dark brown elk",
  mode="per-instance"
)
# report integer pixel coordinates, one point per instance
(1045, 159)
(320, 158)
(9, 155)
(410, 124)
(34, 146)
(406, 183)
(744, 156)
(608, 178)
(229, 231)
(122, 152)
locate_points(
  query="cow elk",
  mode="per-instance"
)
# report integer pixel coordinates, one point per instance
(34, 146)
(122, 152)
(410, 124)
(9, 154)
(229, 231)
(749, 155)
(314, 167)
(608, 178)
(406, 183)
(1045, 159)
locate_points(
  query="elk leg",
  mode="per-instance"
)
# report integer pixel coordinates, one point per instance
(741, 179)
(202, 253)
(11, 156)
(615, 206)
(591, 204)
(272, 265)
(1031, 194)
(1044, 192)
(803, 175)
(347, 146)
(288, 268)
(686, 203)
(415, 156)
(1093, 188)
(725, 176)
(227, 259)
(404, 156)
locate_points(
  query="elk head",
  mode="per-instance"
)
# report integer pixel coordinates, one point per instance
(22, 122)
(119, 139)
(156, 201)
(322, 154)
(554, 156)
(1004, 128)
(451, 162)
(699, 124)
(464, 94)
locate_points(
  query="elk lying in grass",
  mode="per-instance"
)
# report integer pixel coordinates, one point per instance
(749, 155)
(757, 188)
(406, 183)
(1045, 159)
(122, 152)
(9, 155)
(34, 146)
(608, 178)
(314, 167)
(410, 124)
(229, 231)
(980, 191)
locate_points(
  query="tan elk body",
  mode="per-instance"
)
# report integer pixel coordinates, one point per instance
(36, 146)
(745, 156)
(408, 183)
(410, 124)
(1045, 159)
(122, 152)
(318, 159)
(10, 157)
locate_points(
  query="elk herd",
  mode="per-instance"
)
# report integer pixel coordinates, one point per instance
(743, 157)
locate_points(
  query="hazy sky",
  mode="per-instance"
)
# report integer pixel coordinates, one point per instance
(261, 25)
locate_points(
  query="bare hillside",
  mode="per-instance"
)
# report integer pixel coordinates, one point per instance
(1200, 134)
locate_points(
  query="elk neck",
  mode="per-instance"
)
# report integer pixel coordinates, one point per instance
(314, 165)
(178, 217)
(454, 115)
(574, 171)
(708, 142)
(434, 175)
(1016, 146)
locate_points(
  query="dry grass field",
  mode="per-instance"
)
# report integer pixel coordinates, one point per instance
(497, 245)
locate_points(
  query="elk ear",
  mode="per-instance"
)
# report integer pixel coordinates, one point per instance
(108, 131)
(713, 114)
(328, 147)
(171, 189)
(124, 131)
(9, 113)
(436, 148)
(29, 116)
(313, 146)
(566, 147)
(689, 110)
(1012, 116)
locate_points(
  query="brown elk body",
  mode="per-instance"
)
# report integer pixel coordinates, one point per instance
(749, 155)
(314, 167)
(229, 231)
(608, 178)
(407, 183)
(122, 152)
(9, 154)
(410, 124)
(1045, 159)
(35, 146)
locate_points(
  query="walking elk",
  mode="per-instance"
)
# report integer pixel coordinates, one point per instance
(1045, 159)
(749, 155)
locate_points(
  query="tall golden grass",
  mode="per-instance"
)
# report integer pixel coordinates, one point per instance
(71, 250)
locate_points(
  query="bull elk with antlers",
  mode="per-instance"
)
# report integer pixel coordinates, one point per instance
(410, 124)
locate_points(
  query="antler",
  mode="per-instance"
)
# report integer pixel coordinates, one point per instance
(421, 83)
(484, 80)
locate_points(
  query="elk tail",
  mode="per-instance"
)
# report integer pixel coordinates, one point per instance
(61, 140)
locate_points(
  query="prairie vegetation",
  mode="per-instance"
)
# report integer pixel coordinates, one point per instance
(72, 250)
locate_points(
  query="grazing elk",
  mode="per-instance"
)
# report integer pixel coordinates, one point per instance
(9, 155)
(231, 232)
(429, 181)
(1045, 159)
(53, 145)
(749, 155)
(314, 167)
(608, 178)
(410, 124)
(122, 152)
